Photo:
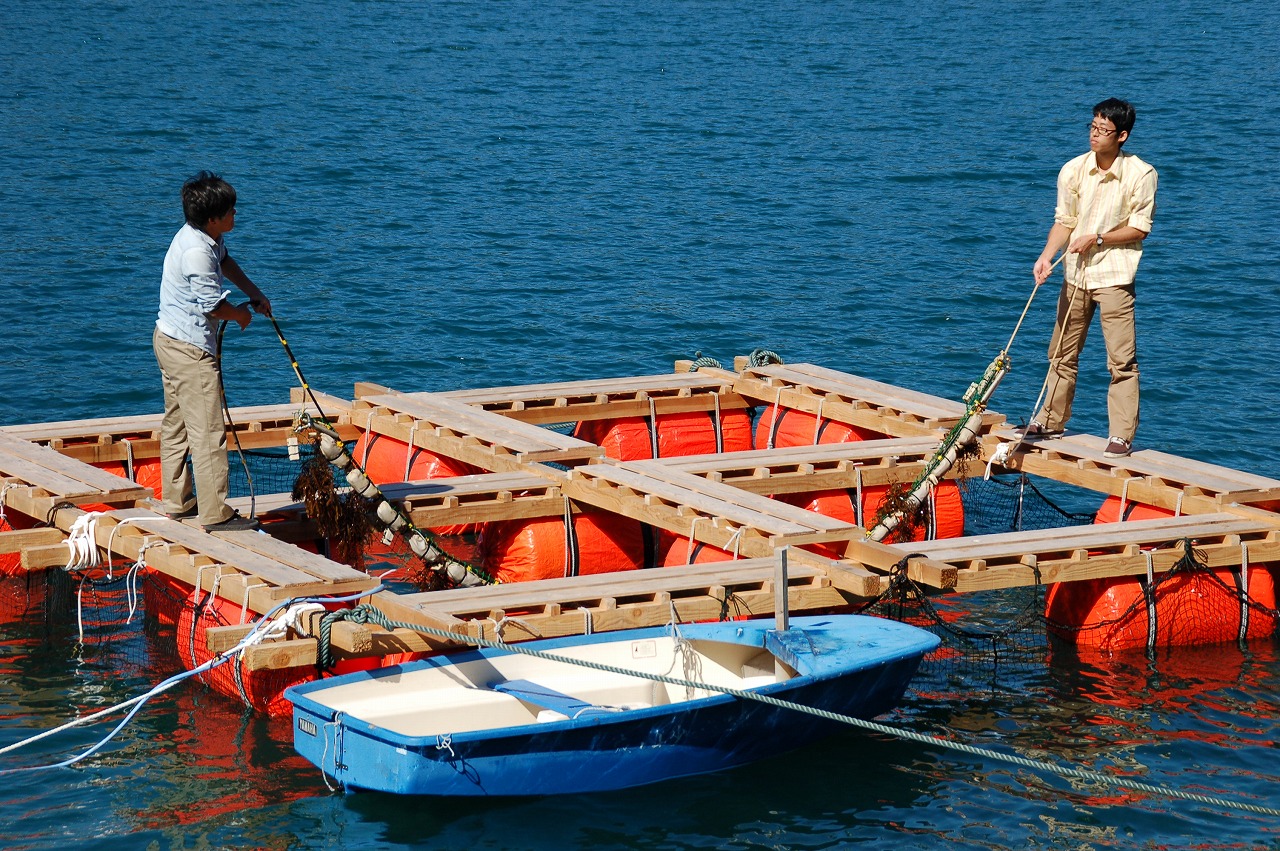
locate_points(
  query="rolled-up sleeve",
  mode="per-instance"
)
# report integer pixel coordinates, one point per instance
(1067, 211)
(1142, 201)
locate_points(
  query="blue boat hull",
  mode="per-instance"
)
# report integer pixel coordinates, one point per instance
(621, 750)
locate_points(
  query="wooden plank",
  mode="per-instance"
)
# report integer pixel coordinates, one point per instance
(862, 450)
(15, 541)
(1072, 450)
(1132, 561)
(620, 585)
(618, 474)
(876, 392)
(439, 411)
(90, 477)
(642, 386)
(734, 496)
(1067, 539)
(223, 551)
(310, 563)
(149, 424)
(36, 474)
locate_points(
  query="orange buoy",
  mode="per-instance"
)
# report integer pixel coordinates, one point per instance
(1110, 511)
(1188, 608)
(947, 512)
(1200, 607)
(544, 548)
(689, 433)
(675, 550)
(779, 426)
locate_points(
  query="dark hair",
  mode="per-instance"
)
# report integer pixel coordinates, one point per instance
(206, 196)
(1119, 112)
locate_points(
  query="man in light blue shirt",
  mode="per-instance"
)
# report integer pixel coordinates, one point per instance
(192, 301)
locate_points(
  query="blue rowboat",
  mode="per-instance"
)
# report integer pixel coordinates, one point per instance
(497, 722)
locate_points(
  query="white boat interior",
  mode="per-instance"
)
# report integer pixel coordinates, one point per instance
(518, 689)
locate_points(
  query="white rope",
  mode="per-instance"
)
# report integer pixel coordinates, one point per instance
(736, 540)
(82, 542)
(499, 625)
(688, 553)
(1124, 498)
(244, 601)
(293, 618)
(408, 455)
(134, 704)
(131, 578)
(111, 539)
(1177, 509)
(4, 490)
(998, 457)
(817, 422)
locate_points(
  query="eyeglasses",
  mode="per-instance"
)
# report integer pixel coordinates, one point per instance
(1101, 131)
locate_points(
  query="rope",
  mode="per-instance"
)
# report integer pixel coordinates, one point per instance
(253, 637)
(870, 726)
(699, 362)
(763, 357)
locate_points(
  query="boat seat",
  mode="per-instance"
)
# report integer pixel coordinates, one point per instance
(542, 696)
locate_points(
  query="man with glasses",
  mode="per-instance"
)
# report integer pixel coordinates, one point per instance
(1106, 201)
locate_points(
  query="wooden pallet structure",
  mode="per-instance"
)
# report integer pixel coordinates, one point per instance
(721, 500)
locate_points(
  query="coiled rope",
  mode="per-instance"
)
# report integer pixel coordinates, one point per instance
(373, 615)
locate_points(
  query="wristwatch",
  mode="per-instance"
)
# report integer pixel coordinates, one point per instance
(1099, 240)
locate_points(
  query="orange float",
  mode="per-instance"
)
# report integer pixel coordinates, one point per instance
(947, 507)
(1189, 608)
(690, 433)
(779, 426)
(542, 548)
(675, 551)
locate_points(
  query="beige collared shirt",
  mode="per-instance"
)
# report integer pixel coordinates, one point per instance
(1094, 201)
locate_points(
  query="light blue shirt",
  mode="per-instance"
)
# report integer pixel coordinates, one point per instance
(190, 287)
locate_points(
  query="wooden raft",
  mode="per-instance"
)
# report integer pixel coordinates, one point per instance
(717, 499)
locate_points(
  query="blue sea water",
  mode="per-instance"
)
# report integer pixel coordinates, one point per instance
(439, 195)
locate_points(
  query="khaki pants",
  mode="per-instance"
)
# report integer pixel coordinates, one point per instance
(1075, 313)
(192, 425)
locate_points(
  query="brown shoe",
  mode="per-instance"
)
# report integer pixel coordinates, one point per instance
(1117, 447)
(1036, 429)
